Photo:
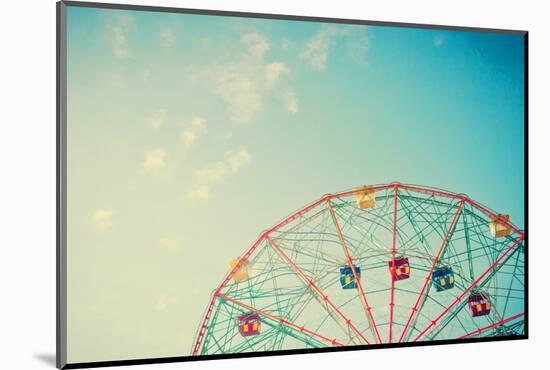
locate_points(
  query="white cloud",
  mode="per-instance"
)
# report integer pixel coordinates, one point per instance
(212, 174)
(244, 80)
(170, 243)
(285, 44)
(199, 192)
(165, 301)
(290, 101)
(274, 71)
(118, 29)
(119, 43)
(256, 45)
(237, 160)
(156, 120)
(358, 48)
(167, 37)
(103, 219)
(217, 172)
(317, 50)
(238, 86)
(194, 132)
(154, 159)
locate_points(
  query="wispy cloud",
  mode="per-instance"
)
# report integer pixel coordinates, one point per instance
(238, 87)
(237, 160)
(244, 80)
(196, 130)
(118, 29)
(358, 48)
(200, 191)
(154, 159)
(316, 52)
(439, 40)
(217, 172)
(167, 37)
(256, 45)
(156, 120)
(227, 135)
(170, 243)
(103, 219)
(274, 71)
(145, 75)
(285, 44)
(166, 301)
(290, 101)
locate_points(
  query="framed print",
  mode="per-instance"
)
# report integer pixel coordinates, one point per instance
(236, 184)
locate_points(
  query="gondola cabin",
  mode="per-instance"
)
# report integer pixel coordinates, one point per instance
(242, 273)
(249, 324)
(365, 198)
(443, 278)
(479, 305)
(347, 278)
(498, 226)
(402, 268)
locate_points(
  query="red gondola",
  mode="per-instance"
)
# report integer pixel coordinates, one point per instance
(249, 324)
(402, 268)
(479, 305)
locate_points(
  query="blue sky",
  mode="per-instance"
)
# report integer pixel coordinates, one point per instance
(189, 134)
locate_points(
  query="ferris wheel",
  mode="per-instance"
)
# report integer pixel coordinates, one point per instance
(389, 263)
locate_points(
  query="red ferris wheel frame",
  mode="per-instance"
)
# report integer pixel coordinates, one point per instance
(265, 236)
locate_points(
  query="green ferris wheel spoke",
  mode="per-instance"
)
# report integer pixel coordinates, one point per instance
(335, 231)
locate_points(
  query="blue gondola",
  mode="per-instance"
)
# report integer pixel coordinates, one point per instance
(443, 278)
(347, 278)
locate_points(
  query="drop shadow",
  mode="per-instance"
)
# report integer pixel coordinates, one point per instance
(47, 358)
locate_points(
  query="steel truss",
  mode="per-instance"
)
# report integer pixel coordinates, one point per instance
(294, 282)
